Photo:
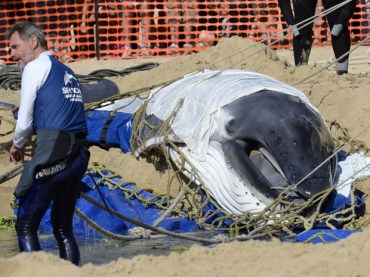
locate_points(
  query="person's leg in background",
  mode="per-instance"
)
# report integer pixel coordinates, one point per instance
(303, 9)
(254, 21)
(89, 22)
(173, 19)
(146, 12)
(127, 25)
(190, 16)
(113, 27)
(302, 38)
(103, 24)
(272, 20)
(86, 31)
(73, 22)
(262, 21)
(340, 34)
(64, 9)
(318, 24)
(268, 21)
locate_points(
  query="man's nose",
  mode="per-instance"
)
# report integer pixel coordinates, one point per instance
(11, 52)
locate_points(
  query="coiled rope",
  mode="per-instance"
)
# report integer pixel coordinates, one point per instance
(10, 76)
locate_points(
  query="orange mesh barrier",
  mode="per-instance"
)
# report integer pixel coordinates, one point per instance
(85, 29)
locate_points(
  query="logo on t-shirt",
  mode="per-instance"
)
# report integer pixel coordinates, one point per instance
(71, 88)
(68, 78)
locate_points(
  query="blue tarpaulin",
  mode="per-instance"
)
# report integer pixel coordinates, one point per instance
(135, 209)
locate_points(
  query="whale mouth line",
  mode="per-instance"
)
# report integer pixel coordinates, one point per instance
(267, 164)
(267, 154)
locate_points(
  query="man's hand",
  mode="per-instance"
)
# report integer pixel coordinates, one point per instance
(16, 154)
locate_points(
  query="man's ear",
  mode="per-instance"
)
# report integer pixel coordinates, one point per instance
(34, 42)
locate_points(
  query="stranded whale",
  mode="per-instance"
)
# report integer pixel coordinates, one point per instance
(247, 135)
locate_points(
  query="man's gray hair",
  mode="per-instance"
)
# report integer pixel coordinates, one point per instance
(26, 30)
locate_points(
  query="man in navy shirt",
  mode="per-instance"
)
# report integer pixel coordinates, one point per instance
(52, 108)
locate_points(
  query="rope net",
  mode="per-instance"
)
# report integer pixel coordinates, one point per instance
(276, 220)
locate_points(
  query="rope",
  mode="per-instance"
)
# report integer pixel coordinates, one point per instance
(10, 76)
(216, 239)
(103, 231)
(333, 62)
(351, 59)
(321, 237)
(170, 209)
(266, 221)
(299, 26)
(98, 74)
(11, 173)
(331, 156)
(9, 121)
(144, 225)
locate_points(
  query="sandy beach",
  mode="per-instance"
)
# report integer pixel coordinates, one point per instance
(344, 99)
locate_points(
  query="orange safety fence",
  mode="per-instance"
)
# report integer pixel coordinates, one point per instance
(85, 29)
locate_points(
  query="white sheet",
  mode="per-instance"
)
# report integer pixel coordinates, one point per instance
(204, 94)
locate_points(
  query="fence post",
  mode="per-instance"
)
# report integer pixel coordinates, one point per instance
(97, 46)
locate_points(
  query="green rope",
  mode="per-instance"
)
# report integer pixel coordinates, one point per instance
(321, 237)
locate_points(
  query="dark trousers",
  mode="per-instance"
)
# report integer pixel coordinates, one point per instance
(62, 190)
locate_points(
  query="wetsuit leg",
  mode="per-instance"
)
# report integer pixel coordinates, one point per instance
(341, 41)
(32, 208)
(303, 9)
(63, 209)
(34, 204)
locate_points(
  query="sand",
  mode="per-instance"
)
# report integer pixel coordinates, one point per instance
(343, 99)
